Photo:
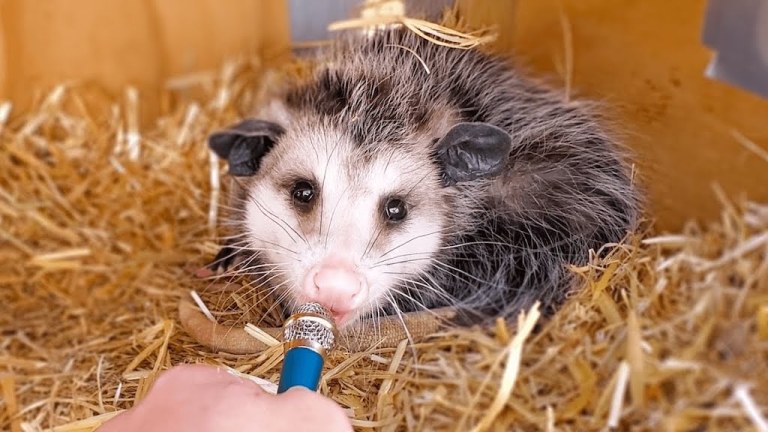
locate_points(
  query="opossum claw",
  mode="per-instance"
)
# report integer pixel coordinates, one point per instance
(224, 260)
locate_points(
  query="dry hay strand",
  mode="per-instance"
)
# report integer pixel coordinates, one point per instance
(101, 220)
(376, 14)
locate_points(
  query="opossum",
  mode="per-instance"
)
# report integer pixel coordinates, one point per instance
(405, 175)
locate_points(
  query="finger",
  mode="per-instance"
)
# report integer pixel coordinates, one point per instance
(311, 409)
(198, 377)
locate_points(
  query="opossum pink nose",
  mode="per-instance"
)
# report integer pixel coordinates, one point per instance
(337, 286)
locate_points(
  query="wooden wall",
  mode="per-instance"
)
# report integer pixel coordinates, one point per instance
(646, 58)
(643, 57)
(114, 43)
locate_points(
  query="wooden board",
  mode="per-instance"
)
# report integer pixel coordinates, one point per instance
(645, 58)
(125, 42)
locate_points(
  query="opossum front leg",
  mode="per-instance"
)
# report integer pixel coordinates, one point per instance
(242, 145)
(227, 258)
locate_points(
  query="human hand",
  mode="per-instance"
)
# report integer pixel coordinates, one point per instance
(205, 398)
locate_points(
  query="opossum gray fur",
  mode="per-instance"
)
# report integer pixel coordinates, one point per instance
(500, 237)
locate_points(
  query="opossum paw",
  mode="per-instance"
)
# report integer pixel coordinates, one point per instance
(202, 272)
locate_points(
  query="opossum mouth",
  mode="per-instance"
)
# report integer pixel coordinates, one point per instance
(341, 318)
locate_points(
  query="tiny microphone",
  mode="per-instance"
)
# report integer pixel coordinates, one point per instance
(308, 336)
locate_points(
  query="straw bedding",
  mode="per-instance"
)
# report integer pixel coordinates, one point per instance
(102, 221)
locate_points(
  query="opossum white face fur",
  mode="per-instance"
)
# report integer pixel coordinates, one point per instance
(341, 223)
(406, 175)
(344, 224)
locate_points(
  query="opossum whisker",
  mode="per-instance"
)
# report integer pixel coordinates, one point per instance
(283, 224)
(453, 258)
(281, 303)
(262, 278)
(475, 243)
(399, 313)
(262, 284)
(244, 268)
(511, 247)
(225, 235)
(280, 222)
(372, 241)
(226, 274)
(282, 251)
(432, 283)
(433, 289)
(236, 210)
(266, 294)
(409, 297)
(267, 290)
(239, 245)
(373, 315)
(453, 270)
(389, 159)
(333, 213)
(256, 248)
(232, 223)
(377, 234)
(255, 304)
(406, 261)
(250, 248)
(252, 270)
(426, 254)
(322, 182)
(234, 241)
(250, 255)
(267, 276)
(229, 240)
(255, 274)
(235, 273)
(412, 239)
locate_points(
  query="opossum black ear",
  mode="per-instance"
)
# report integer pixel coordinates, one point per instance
(244, 144)
(473, 150)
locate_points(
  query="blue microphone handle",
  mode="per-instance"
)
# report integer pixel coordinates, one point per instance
(302, 366)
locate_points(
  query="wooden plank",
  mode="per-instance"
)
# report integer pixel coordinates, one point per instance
(646, 61)
(124, 42)
(49, 42)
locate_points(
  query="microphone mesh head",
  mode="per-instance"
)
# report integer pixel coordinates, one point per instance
(305, 324)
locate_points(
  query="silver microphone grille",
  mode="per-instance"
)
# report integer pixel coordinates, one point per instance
(311, 322)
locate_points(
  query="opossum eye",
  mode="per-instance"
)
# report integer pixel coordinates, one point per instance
(395, 210)
(303, 193)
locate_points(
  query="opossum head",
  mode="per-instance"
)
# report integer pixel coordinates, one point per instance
(347, 223)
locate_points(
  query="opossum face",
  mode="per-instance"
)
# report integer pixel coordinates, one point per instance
(341, 223)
